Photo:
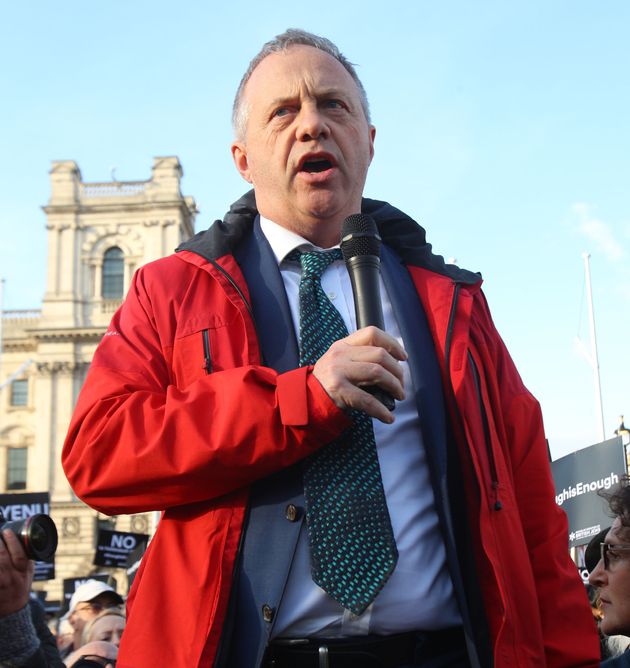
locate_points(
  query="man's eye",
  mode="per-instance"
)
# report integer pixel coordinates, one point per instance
(333, 104)
(612, 554)
(281, 111)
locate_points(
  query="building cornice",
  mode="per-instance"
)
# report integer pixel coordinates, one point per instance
(118, 206)
(68, 333)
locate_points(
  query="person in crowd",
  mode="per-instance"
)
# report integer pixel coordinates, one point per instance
(87, 602)
(107, 626)
(95, 654)
(65, 637)
(304, 520)
(25, 640)
(611, 575)
(610, 645)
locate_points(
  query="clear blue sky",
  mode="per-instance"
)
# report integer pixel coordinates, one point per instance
(503, 127)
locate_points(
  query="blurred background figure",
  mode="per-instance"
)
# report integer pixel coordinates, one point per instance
(94, 655)
(87, 602)
(611, 574)
(108, 626)
(65, 637)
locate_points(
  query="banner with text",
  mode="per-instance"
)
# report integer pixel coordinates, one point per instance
(578, 477)
(19, 507)
(114, 547)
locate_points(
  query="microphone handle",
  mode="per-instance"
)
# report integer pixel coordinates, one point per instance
(366, 288)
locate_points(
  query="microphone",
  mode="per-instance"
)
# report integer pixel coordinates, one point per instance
(361, 249)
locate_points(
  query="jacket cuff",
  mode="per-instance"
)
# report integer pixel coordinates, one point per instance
(18, 638)
(302, 401)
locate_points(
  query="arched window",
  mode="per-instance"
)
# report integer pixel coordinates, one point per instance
(113, 274)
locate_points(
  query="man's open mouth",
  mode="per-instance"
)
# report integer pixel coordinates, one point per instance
(315, 165)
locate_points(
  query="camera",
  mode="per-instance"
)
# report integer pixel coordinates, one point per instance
(37, 534)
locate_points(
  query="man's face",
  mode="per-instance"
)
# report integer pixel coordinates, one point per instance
(84, 612)
(614, 582)
(307, 144)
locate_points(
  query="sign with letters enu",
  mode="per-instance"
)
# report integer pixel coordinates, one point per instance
(114, 547)
(19, 507)
(578, 477)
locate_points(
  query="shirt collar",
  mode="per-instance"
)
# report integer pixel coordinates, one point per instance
(283, 241)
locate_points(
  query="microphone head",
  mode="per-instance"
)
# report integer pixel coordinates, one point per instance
(359, 236)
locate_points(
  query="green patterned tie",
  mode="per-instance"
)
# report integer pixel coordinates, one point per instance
(353, 551)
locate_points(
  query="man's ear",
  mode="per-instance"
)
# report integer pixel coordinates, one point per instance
(372, 136)
(239, 155)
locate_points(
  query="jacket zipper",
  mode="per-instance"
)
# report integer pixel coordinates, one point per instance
(240, 293)
(449, 334)
(207, 358)
(486, 433)
(233, 283)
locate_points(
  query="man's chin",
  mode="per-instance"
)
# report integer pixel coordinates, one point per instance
(612, 629)
(329, 207)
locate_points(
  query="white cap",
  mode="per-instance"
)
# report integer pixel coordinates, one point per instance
(88, 591)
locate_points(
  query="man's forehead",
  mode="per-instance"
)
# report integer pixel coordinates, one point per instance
(618, 531)
(298, 64)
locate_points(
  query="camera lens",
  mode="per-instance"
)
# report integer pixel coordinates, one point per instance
(38, 538)
(39, 535)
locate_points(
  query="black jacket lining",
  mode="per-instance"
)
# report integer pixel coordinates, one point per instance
(397, 230)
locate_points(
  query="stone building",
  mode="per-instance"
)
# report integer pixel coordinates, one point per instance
(98, 234)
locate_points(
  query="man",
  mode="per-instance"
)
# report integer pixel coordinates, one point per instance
(87, 603)
(200, 401)
(611, 575)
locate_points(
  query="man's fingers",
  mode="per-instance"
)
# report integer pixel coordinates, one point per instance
(373, 336)
(358, 399)
(366, 358)
(363, 366)
(15, 551)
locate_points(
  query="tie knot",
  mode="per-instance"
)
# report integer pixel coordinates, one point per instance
(315, 262)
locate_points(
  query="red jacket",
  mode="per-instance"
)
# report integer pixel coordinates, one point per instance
(153, 430)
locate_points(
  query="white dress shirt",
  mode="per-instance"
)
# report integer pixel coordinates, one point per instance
(419, 593)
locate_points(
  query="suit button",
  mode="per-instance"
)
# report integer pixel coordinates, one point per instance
(267, 613)
(292, 513)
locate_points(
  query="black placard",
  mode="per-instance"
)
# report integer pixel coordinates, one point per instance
(114, 547)
(19, 507)
(578, 477)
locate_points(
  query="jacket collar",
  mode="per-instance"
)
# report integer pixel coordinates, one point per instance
(397, 230)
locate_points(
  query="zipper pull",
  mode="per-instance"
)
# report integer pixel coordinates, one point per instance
(207, 365)
(497, 503)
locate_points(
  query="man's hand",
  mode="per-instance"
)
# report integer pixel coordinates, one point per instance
(367, 357)
(16, 574)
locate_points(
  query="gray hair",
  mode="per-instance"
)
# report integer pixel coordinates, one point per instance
(291, 37)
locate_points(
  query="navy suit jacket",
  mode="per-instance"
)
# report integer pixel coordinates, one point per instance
(276, 508)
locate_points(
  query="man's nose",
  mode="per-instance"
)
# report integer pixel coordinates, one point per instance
(312, 123)
(598, 575)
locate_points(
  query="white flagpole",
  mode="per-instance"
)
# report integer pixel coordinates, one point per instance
(599, 406)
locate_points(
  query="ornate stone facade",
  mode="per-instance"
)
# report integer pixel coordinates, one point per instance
(98, 235)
